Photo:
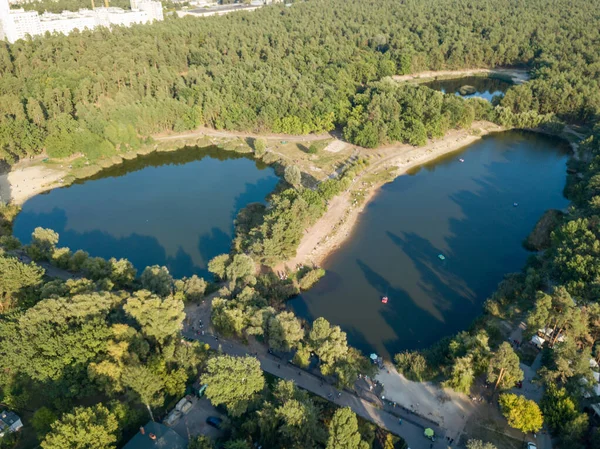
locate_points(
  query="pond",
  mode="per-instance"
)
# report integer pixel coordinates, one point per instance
(485, 87)
(463, 211)
(174, 209)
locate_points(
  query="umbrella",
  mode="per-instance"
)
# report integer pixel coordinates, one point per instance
(428, 432)
(373, 356)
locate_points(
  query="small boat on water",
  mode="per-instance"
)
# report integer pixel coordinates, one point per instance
(461, 160)
(384, 299)
(515, 204)
(441, 257)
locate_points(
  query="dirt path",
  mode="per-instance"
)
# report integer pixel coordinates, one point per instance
(518, 76)
(235, 134)
(331, 230)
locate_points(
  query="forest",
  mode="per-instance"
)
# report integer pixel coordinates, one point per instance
(307, 68)
(91, 350)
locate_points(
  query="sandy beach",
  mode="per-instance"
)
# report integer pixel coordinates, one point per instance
(518, 76)
(26, 180)
(336, 225)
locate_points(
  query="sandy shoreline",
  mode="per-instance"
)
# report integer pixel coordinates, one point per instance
(518, 76)
(26, 180)
(335, 227)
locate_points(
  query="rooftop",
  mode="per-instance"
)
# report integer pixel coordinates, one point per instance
(156, 436)
(8, 418)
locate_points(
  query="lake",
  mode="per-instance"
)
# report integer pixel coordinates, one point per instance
(486, 88)
(463, 211)
(174, 209)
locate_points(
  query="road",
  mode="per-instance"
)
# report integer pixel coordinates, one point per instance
(411, 428)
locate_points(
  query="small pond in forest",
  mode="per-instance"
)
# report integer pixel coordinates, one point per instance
(174, 209)
(463, 211)
(481, 86)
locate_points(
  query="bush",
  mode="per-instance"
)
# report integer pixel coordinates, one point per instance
(260, 147)
(411, 364)
(9, 242)
(310, 278)
(312, 149)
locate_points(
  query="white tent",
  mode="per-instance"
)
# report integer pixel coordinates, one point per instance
(538, 341)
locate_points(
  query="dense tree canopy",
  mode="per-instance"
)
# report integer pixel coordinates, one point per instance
(233, 382)
(521, 413)
(292, 70)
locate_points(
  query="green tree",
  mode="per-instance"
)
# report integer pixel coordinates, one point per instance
(504, 369)
(328, 342)
(157, 280)
(260, 147)
(158, 318)
(200, 442)
(86, 428)
(463, 375)
(43, 243)
(218, 264)
(478, 444)
(240, 267)
(411, 364)
(522, 414)
(122, 272)
(56, 336)
(233, 382)
(146, 384)
(42, 421)
(194, 288)
(343, 430)
(293, 175)
(561, 414)
(15, 277)
(285, 331)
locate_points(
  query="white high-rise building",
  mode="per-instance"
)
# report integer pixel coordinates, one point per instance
(17, 24)
(152, 8)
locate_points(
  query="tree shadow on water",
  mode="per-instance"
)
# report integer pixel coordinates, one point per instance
(401, 313)
(140, 250)
(213, 243)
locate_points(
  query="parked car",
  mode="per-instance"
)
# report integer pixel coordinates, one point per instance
(216, 422)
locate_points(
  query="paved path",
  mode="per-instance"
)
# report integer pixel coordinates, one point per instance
(51, 270)
(411, 428)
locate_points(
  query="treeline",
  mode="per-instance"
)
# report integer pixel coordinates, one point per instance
(292, 70)
(557, 297)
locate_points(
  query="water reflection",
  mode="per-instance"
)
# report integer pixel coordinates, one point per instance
(485, 88)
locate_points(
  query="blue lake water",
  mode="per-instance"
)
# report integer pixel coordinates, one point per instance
(174, 209)
(486, 88)
(463, 211)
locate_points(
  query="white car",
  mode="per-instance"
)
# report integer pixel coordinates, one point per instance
(531, 446)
